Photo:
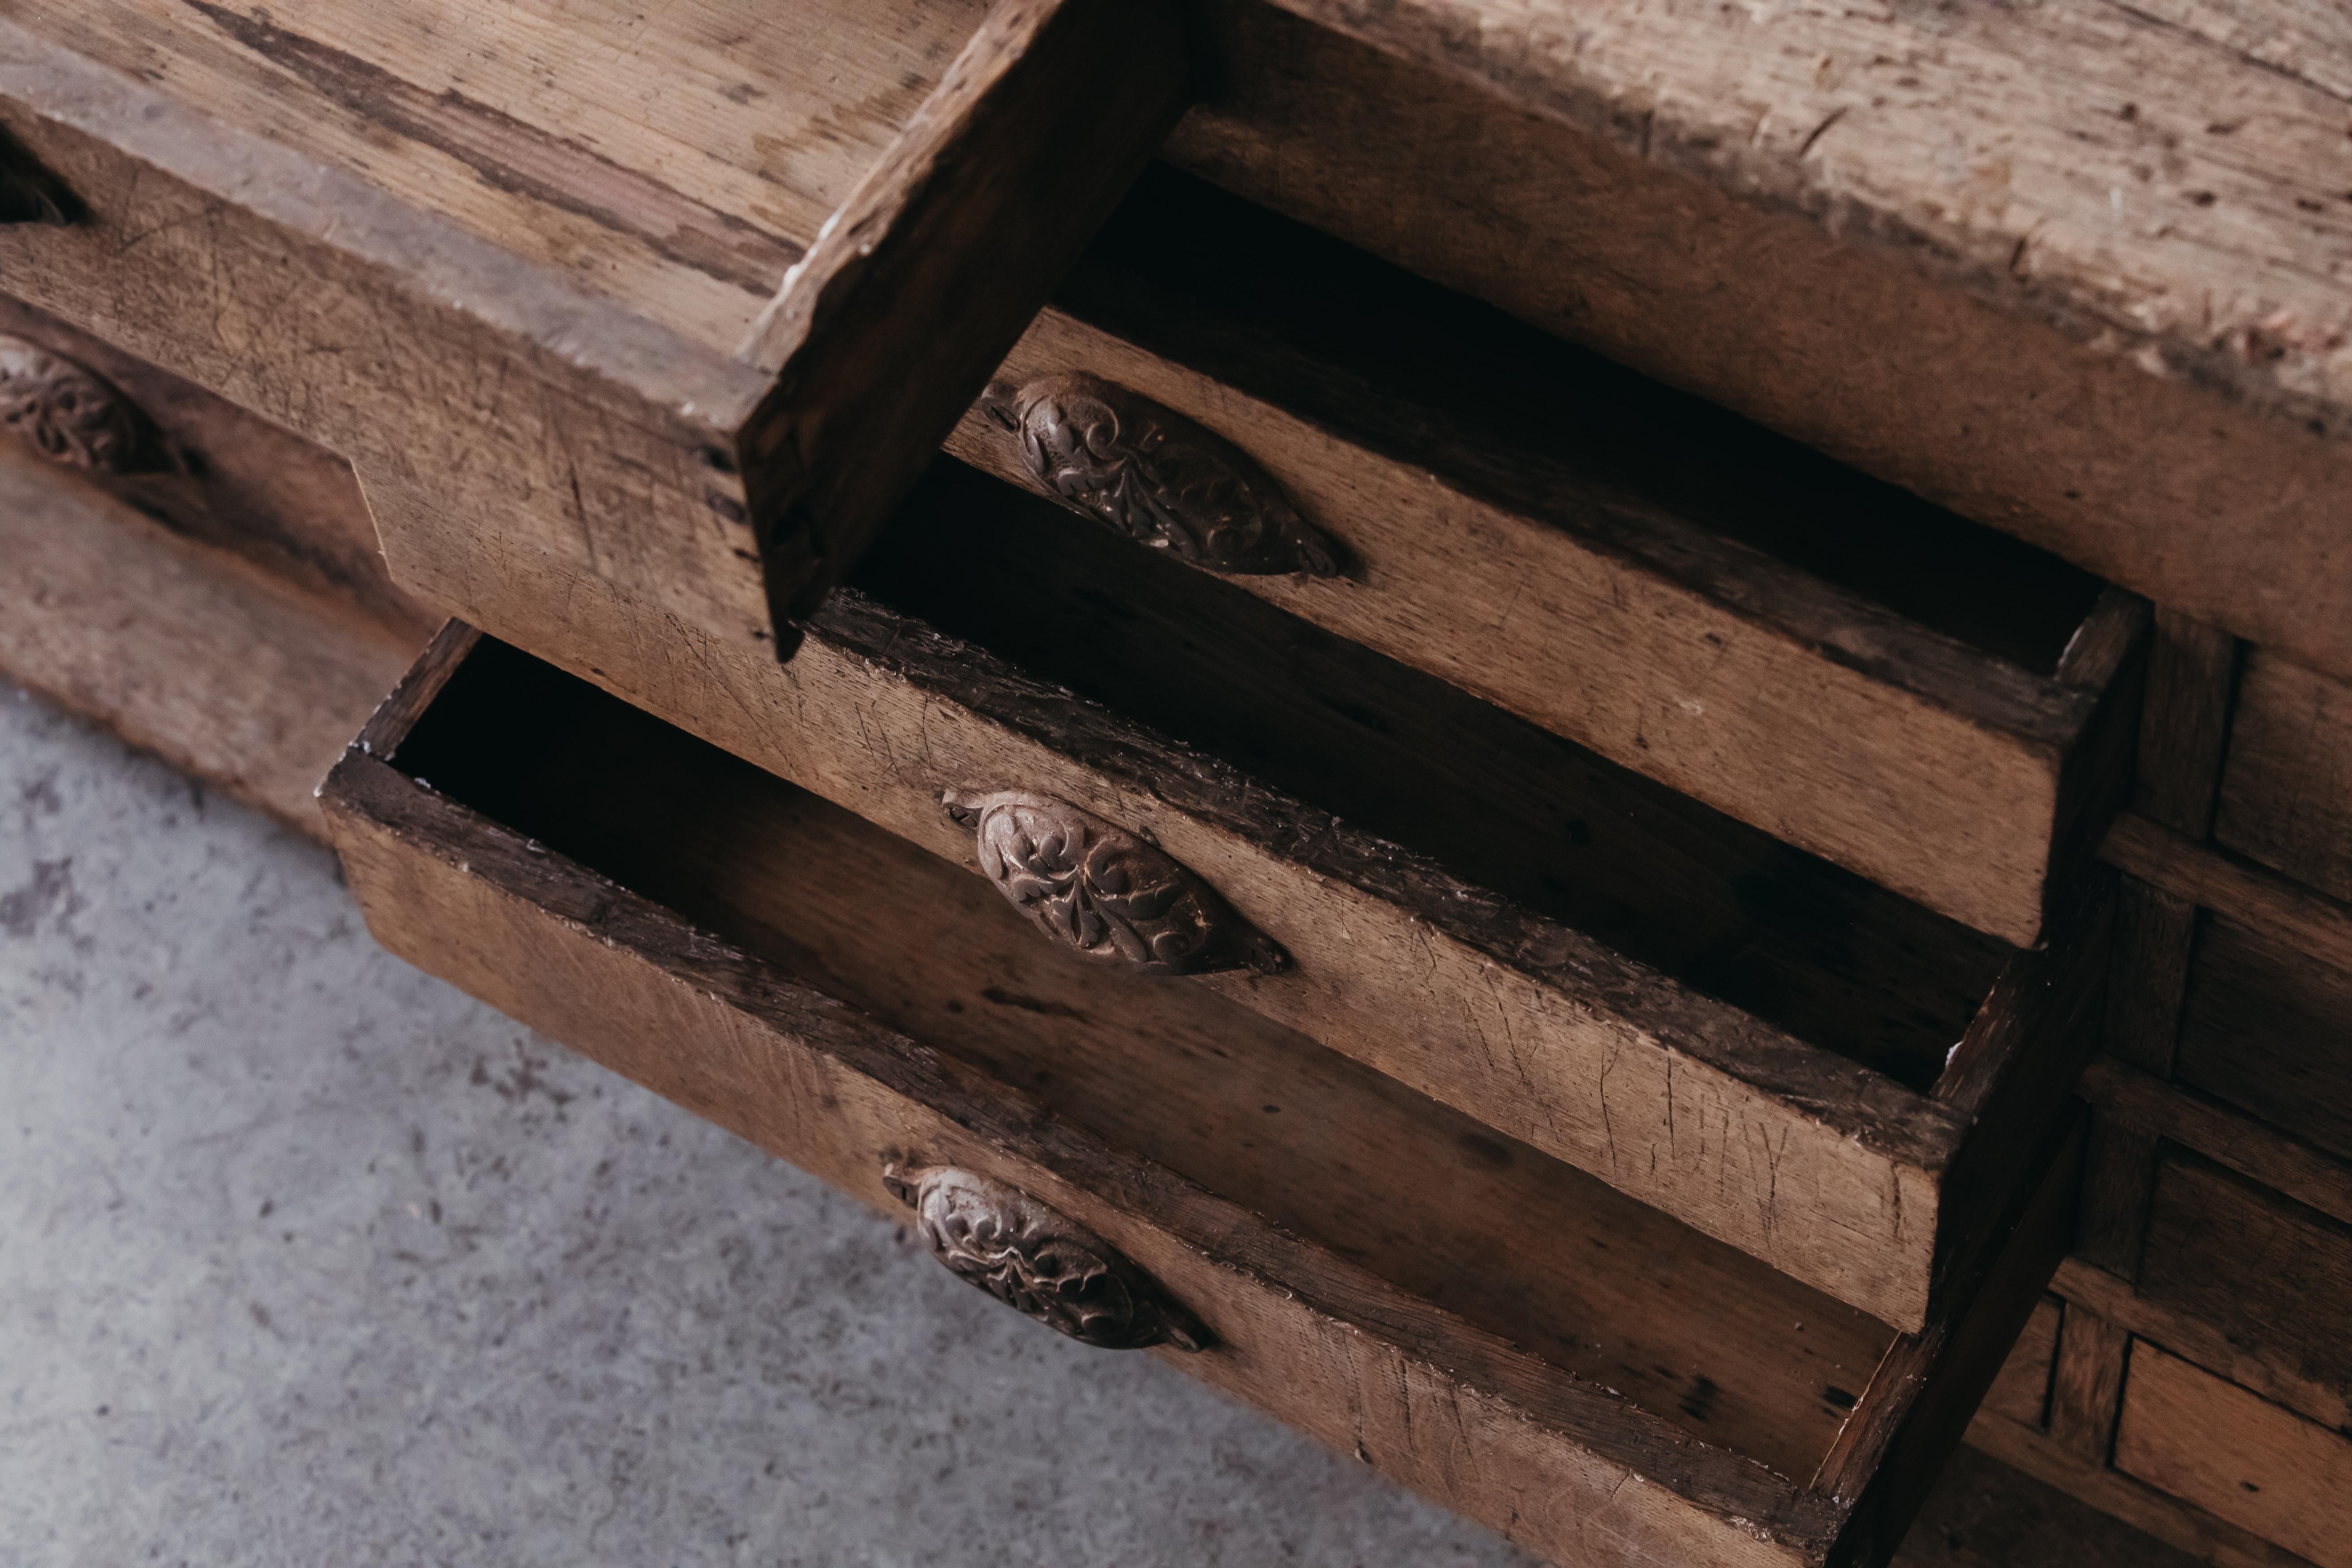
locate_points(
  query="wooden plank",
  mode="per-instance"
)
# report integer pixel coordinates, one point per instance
(2250, 1147)
(1320, 1341)
(2245, 892)
(2286, 799)
(2028, 210)
(2087, 1384)
(2117, 1178)
(1985, 1514)
(2021, 1392)
(189, 652)
(2237, 1456)
(2270, 1278)
(298, 164)
(2179, 1525)
(2263, 1369)
(1571, 543)
(1806, 1159)
(2265, 1031)
(2191, 680)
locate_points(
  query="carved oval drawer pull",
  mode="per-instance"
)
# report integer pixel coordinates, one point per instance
(1156, 476)
(69, 413)
(1100, 890)
(1039, 1261)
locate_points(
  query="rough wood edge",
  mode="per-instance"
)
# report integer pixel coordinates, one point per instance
(900, 311)
(2252, 1148)
(1929, 1385)
(1878, 1114)
(389, 725)
(2086, 1386)
(364, 793)
(634, 367)
(1456, 39)
(2251, 895)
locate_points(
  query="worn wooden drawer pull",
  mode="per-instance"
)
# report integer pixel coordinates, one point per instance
(1156, 476)
(1103, 892)
(69, 413)
(1038, 1261)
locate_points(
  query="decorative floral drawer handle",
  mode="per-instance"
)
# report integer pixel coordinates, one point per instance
(1038, 1261)
(69, 412)
(1096, 887)
(1156, 476)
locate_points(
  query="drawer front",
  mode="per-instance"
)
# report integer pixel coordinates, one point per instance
(540, 309)
(1926, 701)
(1833, 1172)
(1429, 1350)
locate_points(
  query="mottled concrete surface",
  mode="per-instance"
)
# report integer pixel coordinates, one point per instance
(306, 1258)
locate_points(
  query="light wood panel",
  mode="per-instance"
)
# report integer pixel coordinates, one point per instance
(2010, 206)
(2239, 1458)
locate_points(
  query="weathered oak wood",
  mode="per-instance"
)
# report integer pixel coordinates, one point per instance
(2286, 799)
(246, 681)
(1828, 1169)
(517, 301)
(2247, 894)
(2021, 1392)
(2086, 1385)
(1803, 648)
(2227, 1451)
(2179, 1524)
(2268, 1030)
(2253, 1148)
(2097, 254)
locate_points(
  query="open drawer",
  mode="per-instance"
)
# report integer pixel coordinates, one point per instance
(1768, 1047)
(1922, 700)
(1145, 1160)
(683, 293)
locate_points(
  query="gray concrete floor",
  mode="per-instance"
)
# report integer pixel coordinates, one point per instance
(306, 1258)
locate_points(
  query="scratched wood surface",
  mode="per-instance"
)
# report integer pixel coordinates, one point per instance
(1810, 650)
(1303, 1235)
(2097, 251)
(1811, 1160)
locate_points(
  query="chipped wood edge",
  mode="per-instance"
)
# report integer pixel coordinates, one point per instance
(974, 1119)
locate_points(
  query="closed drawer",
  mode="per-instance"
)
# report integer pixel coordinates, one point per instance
(1484, 1323)
(681, 295)
(208, 471)
(1767, 1047)
(1924, 701)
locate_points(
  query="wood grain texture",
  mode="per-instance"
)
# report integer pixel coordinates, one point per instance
(1322, 1341)
(2237, 1456)
(2251, 1147)
(2269, 1277)
(1985, 1514)
(2249, 895)
(2180, 1525)
(1638, 199)
(2269, 1371)
(1753, 1137)
(2266, 1031)
(2119, 1170)
(518, 300)
(2185, 725)
(2286, 797)
(1595, 554)
(2086, 1385)
(248, 683)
